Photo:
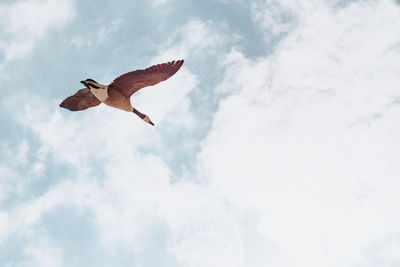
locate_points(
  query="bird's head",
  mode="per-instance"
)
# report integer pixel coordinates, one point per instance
(90, 83)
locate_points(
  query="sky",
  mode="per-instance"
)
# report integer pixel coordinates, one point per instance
(276, 143)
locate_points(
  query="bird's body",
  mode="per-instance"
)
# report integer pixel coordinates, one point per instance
(100, 93)
(110, 96)
(118, 93)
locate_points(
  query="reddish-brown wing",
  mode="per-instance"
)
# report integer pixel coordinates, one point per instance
(81, 100)
(131, 82)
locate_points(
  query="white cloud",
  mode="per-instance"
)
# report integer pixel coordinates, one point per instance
(194, 38)
(299, 168)
(136, 188)
(42, 254)
(4, 225)
(276, 17)
(391, 250)
(25, 22)
(169, 100)
(115, 138)
(308, 136)
(7, 175)
(38, 252)
(104, 32)
(99, 36)
(23, 149)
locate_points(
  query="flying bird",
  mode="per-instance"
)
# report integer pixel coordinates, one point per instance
(118, 93)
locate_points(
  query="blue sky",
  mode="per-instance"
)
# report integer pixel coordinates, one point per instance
(276, 144)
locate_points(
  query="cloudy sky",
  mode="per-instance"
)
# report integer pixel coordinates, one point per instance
(276, 144)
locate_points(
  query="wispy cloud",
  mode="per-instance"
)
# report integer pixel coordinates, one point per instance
(24, 22)
(296, 169)
(159, 2)
(43, 254)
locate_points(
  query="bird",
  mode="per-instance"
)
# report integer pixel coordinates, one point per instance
(118, 93)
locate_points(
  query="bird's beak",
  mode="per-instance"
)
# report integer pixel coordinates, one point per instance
(147, 119)
(83, 82)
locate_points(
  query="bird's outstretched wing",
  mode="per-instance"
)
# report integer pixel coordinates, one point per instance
(81, 100)
(131, 82)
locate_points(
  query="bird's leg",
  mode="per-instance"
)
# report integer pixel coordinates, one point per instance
(143, 116)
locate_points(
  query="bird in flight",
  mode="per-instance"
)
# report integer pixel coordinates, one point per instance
(118, 93)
